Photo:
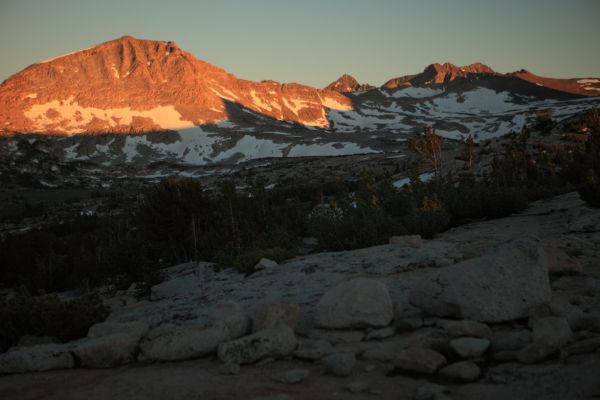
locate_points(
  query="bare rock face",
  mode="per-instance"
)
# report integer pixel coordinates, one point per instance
(501, 285)
(558, 262)
(271, 315)
(275, 342)
(107, 351)
(43, 357)
(359, 302)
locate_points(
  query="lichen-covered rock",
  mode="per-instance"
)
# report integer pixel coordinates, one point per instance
(275, 342)
(359, 302)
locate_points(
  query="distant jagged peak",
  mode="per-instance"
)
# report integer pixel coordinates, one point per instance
(347, 83)
(443, 73)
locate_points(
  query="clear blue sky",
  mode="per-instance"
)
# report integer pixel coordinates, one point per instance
(315, 41)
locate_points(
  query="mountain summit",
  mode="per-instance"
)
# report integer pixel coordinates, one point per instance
(347, 83)
(133, 85)
(130, 85)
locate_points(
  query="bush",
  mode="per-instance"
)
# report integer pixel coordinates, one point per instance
(49, 316)
(246, 261)
(429, 219)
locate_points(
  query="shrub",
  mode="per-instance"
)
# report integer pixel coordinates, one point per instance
(428, 219)
(49, 316)
(246, 261)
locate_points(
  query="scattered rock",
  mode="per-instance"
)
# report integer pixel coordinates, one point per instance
(413, 241)
(380, 334)
(275, 342)
(271, 315)
(467, 347)
(292, 376)
(499, 286)
(340, 364)
(359, 302)
(466, 371)
(229, 369)
(43, 357)
(416, 359)
(467, 328)
(511, 341)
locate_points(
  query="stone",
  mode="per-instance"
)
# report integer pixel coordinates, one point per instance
(585, 220)
(416, 359)
(549, 335)
(554, 330)
(265, 263)
(412, 241)
(32, 340)
(558, 262)
(340, 364)
(108, 350)
(234, 317)
(585, 346)
(466, 371)
(173, 288)
(467, 328)
(292, 376)
(467, 347)
(358, 387)
(588, 321)
(337, 336)
(169, 342)
(229, 369)
(313, 349)
(359, 302)
(500, 285)
(384, 352)
(431, 391)
(271, 315)
(274, 342)
(510, 341)
(379, 334)
(43, 357)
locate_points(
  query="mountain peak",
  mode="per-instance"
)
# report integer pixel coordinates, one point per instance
(347, 83)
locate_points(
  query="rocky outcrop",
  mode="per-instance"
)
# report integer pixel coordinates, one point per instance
(43, 357)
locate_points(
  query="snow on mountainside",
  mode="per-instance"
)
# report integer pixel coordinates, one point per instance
(131, 101)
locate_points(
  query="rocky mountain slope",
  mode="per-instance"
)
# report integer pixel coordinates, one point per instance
(138, 102)
(507, 308)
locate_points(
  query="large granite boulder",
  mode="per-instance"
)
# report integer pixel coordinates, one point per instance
(501, 285)
(359, 302)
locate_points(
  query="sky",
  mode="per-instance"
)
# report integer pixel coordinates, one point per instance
(315, 41)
